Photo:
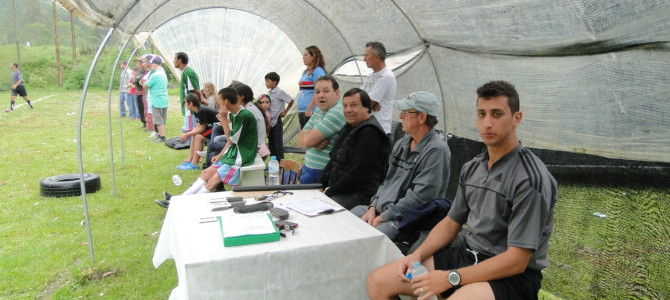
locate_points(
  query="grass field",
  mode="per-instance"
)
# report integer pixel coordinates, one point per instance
(44, 251)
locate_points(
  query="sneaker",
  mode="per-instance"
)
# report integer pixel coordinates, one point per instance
(159, 140)
(147, 130)
(167, 196)
(183, 164)
(190, 166)
(162, 203)
(202, 153)
(154, 134)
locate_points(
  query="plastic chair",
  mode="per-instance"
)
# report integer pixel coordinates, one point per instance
(289, 171)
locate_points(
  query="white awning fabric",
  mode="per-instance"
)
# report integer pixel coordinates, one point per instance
(593, 76)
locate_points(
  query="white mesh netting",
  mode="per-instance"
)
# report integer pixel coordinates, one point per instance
(592, 75)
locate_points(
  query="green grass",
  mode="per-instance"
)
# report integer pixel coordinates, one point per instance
(621, 256)
(44, 248)
(44, 251)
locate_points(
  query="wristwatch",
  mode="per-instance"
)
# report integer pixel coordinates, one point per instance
(454, 278)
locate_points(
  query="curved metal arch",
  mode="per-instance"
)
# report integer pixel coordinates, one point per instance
(80, 159)
(432, 61)
(388, 54)
(109, 118)
(346, 42)
(123, 157)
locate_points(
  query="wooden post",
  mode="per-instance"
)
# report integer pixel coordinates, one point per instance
(16, 36)
(59, 67)
(74, 41)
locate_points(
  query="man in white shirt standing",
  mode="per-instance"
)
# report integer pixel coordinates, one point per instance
(380, 84)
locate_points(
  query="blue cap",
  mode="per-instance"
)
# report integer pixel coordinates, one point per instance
(157, 60)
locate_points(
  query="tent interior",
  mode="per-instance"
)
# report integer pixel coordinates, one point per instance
(592, 75)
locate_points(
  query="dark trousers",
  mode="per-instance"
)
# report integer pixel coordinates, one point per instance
(214, 145)
(140, 107)
(303, 119)
(351, 200)
(276, 140)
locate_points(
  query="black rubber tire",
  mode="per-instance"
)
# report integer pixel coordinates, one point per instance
(68, 185)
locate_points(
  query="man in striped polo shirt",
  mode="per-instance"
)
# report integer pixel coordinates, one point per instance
(322, 129)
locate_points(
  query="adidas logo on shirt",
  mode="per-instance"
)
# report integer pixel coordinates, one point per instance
(498, 177)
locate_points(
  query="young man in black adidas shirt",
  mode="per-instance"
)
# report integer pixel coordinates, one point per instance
(507, 198)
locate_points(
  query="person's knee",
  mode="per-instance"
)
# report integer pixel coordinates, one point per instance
(380, 283)
(207, 173)
(212, 183)
(374, 283)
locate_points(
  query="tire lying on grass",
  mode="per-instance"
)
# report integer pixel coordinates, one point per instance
(68, 185)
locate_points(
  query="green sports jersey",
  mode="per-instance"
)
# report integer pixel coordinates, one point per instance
(189, 82)
(245, 140)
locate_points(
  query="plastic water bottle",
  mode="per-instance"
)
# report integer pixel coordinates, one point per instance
(176, 180)
(273, 171)
(418, 270)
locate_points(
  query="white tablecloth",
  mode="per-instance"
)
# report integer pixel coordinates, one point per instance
(329, 257)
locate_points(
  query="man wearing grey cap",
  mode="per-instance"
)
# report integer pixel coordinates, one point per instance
(419, 169)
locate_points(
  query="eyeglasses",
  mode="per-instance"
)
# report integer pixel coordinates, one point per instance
(404, 112)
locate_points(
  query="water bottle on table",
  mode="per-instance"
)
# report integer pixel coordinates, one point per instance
(418, 270)
(273, 171)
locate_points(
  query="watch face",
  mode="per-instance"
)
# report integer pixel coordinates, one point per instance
(454, 278)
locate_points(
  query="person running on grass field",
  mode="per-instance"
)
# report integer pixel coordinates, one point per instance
(17, 87)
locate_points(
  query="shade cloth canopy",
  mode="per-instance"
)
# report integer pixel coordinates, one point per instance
(592, 75)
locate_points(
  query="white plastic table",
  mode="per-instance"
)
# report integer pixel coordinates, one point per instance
(329, 257)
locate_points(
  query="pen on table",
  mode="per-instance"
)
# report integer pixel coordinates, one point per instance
(327, 211)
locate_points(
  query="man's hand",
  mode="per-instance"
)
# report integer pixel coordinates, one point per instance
(216, 158)
(282, 114)
(376, 106)
(308, 113)
(322, 145)
(431, 284)
(370, 214)
(405, 264)
(376, 221)
(183, 137)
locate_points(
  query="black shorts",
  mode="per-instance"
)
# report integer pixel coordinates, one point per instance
(20, 90)
(521, 286)
(208, 133)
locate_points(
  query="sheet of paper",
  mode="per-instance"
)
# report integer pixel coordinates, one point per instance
(313, 207)
(246, 224)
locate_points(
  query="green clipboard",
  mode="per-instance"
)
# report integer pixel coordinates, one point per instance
(249, 239)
